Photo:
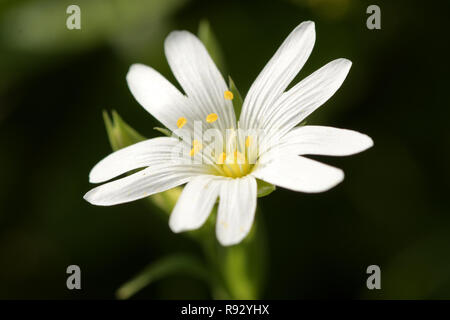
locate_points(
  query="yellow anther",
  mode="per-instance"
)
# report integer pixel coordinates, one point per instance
(196, 143)
(227, 171)
(239, 157)
(212, 117)
(181, 122)
(228, 95)
(196, 146)
(248, 141)
(221, 158)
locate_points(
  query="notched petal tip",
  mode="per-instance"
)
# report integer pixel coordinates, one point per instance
(177, 226)
(134, 70)
(308, 24)
(135, 73)
(95, 176)
(364, 142)
(94, 197)
(174, 227)
(135, 66)
(231, 241)
(175, 35)
(371, 142)
(345, 62)
(338, 178)
(307, 28)
(90, 197)
(227, 242)
(368, 141)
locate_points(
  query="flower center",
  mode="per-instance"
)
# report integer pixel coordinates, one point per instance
(235, 165)
(239, 157)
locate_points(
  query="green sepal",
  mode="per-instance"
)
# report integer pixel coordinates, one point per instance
(211, 44)
(164, 131)
(120, 134)
(264, 188)
(166, 200)
(237, 98)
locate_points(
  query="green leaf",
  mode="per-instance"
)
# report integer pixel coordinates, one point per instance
(164, 131)
(120, 134)
(167, 266)
(264, 188)
(237, 98)
(208, 38)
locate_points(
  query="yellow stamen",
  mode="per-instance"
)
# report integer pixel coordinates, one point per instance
(196, 146)
(227, 171)
(234, 165)
(181, 122)
(212, 117)
(248, 141)
(239, 157)
(228, 95)
(221, 158)
(196, 143)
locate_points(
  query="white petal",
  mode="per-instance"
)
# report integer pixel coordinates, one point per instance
(142, 184)
(277, 74)
(236, 210)
(298, 173)
(142, 154)
(305, 97)
(199, 78)
(195, 203)
(327, 141)
(159, 97)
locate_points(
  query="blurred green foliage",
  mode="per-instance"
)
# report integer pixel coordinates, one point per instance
(391, 210)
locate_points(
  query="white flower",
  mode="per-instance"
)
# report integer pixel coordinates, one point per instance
(207, 98)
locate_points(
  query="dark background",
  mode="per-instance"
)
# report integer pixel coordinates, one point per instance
(391, 210)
